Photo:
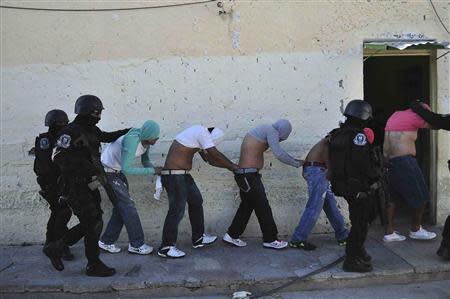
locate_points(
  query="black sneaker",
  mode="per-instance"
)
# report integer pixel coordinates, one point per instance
(302, 245)
(99, 270)
(356, 265)
(67, 255)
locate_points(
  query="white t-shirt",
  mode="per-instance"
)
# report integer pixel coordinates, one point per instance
(112, 154)
(196, 136)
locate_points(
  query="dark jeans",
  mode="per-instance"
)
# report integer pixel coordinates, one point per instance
(254, 199)
(124, 212)
(359, 229)
(85, 204)
(181, 188)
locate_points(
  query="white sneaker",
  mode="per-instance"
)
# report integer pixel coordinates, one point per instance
(394, 237)
(204, 240)
(110, 248)
(277, 244)
(235, 242)
(143, 249)
(422, 234)
(171, 252)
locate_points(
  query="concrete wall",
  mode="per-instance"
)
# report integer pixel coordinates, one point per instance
(180, 66)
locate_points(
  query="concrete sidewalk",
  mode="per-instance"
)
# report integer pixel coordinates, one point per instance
(221, 269)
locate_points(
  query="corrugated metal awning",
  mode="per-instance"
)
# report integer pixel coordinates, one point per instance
(406, 44)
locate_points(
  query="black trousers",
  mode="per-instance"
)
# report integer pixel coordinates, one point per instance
(359, 228)
(57, 223)
(446, 234)
(253, 197)
(85, 204)
(59, 214)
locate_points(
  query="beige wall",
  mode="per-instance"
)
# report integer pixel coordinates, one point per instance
(187, 65)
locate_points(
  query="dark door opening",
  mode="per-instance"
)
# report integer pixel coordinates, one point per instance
(390, 84)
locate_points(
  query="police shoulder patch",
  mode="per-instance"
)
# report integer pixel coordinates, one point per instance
(64, 141)
(360, 139)
(44, 143)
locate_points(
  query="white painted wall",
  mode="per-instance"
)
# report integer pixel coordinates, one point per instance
(187, 65)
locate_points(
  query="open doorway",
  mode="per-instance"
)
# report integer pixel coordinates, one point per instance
(390, 83)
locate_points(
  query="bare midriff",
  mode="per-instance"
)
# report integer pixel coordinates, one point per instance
(319, 153)
(180, 157)
(252, 153)
(397, 144)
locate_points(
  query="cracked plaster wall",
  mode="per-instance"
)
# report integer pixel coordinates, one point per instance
(187, 65)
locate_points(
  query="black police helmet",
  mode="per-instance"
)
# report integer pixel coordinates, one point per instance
(358, 109)
(55, 116)
(88, 104)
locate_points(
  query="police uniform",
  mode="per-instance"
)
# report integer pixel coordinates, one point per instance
(76, 153)
(47, 177)
(439, 121)
(78, 157)
(352, 176)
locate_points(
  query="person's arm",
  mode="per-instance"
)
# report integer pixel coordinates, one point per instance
(273, 139)
(129, 147)
(435, 120)
(108, 137)
(217, 159)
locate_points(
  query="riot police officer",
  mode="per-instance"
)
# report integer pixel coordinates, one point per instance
(438, 121)
(351, 175)
(47, 175)
(77, 154)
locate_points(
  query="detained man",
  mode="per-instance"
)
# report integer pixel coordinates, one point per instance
(181, 188)
(252, 192)
(320, 198)
(118, 159)
(406, 181)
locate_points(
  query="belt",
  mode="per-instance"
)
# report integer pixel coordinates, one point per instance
(174, 171)
(313, 163)
(246, 170)
(111, 170)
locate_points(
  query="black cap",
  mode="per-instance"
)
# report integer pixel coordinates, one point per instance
(88, 104)
(358, 109)
(55, 116)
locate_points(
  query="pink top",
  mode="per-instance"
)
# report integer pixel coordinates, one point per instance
(405, 120)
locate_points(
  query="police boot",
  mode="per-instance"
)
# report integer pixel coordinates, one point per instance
(444, 252)
(67, 254)
(99, 269)
(53, 252)
(355, 264)
(366, 257)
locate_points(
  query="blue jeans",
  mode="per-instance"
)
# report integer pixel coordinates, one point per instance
(124, 212)
(320, 197)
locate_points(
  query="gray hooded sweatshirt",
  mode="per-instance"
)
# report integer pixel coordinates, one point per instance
(273, 135)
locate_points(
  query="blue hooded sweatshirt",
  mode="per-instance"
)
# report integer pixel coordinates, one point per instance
(149, 130)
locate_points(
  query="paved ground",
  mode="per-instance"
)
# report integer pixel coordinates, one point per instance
(220, 269)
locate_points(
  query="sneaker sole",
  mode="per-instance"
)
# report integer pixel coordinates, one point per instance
(169, 257)
(390, 241)
(106, 250)
(279, 248)
(203, 245)
(232, 244)
(132, 252)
